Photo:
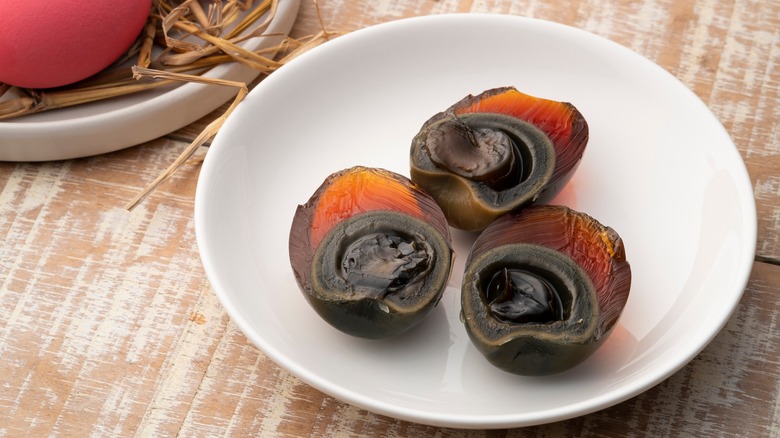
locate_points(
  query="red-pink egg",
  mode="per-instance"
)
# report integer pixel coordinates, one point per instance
(45, 43)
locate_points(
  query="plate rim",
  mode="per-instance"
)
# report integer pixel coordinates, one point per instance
(85, 136)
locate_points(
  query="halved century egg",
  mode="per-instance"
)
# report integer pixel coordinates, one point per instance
(371, 252)
(543, 288)
(497, 152)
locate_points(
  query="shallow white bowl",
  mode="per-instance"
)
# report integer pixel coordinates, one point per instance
(659, 168)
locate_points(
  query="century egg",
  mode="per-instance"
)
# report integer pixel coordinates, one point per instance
(371, 252)
(497, 152)
(543, 288)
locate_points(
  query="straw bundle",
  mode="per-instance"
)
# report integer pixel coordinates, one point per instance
(181, 41)
(186, 39)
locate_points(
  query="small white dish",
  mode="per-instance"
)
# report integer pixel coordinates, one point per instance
(659, 168)
(113, 124)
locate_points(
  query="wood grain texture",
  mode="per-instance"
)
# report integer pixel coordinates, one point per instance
(109, 327)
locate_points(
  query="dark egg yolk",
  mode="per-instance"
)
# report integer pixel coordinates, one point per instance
(521, 296)
(487, 155)
(376, 263)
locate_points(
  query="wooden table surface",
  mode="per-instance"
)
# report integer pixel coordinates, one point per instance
(109, 327)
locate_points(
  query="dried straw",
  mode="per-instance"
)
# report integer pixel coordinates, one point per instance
(173, 24)
(207, 133)
(193, 40)
(289, 49)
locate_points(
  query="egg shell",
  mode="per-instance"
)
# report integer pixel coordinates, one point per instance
(46, 43)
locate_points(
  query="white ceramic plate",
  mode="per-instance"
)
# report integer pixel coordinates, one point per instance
(659, 168)
(115, 124)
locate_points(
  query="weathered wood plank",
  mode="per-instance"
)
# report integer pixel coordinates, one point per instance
(128, 337)
(91, 296)
(108, 325)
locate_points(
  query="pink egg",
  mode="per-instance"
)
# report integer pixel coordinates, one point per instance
(45, 43)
